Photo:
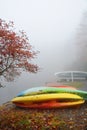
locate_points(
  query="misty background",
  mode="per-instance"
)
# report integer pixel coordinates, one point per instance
(52, 27)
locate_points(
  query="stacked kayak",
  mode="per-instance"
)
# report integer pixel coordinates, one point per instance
(60, 86)
(50, 97)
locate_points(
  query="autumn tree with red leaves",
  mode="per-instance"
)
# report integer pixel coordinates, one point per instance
(15, 52)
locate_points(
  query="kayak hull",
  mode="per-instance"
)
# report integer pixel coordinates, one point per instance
(48, 100)
(50, 104)
(49, 90)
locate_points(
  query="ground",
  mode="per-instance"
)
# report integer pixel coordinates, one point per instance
(15, 118)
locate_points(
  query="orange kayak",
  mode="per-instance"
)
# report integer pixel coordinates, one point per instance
(50, 104)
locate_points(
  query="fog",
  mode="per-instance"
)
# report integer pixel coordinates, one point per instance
(51, 26)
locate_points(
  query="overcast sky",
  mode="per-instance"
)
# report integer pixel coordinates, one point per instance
(51, 26)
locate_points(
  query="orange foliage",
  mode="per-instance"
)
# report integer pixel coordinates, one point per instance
(15, 50)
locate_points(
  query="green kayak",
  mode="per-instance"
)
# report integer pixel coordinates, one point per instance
(44, 90)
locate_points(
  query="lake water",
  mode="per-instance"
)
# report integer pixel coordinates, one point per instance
(26, 82)
(9, 92)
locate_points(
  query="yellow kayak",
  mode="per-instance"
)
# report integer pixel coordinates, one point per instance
(48, 100)
(45, 97)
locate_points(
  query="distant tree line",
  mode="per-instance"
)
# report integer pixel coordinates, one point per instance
(81, 45)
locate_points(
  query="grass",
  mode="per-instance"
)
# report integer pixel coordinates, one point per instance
(75, 84)
(14, 118)
(19, 119)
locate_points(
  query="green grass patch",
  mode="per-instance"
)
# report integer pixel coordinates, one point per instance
(75, 84)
